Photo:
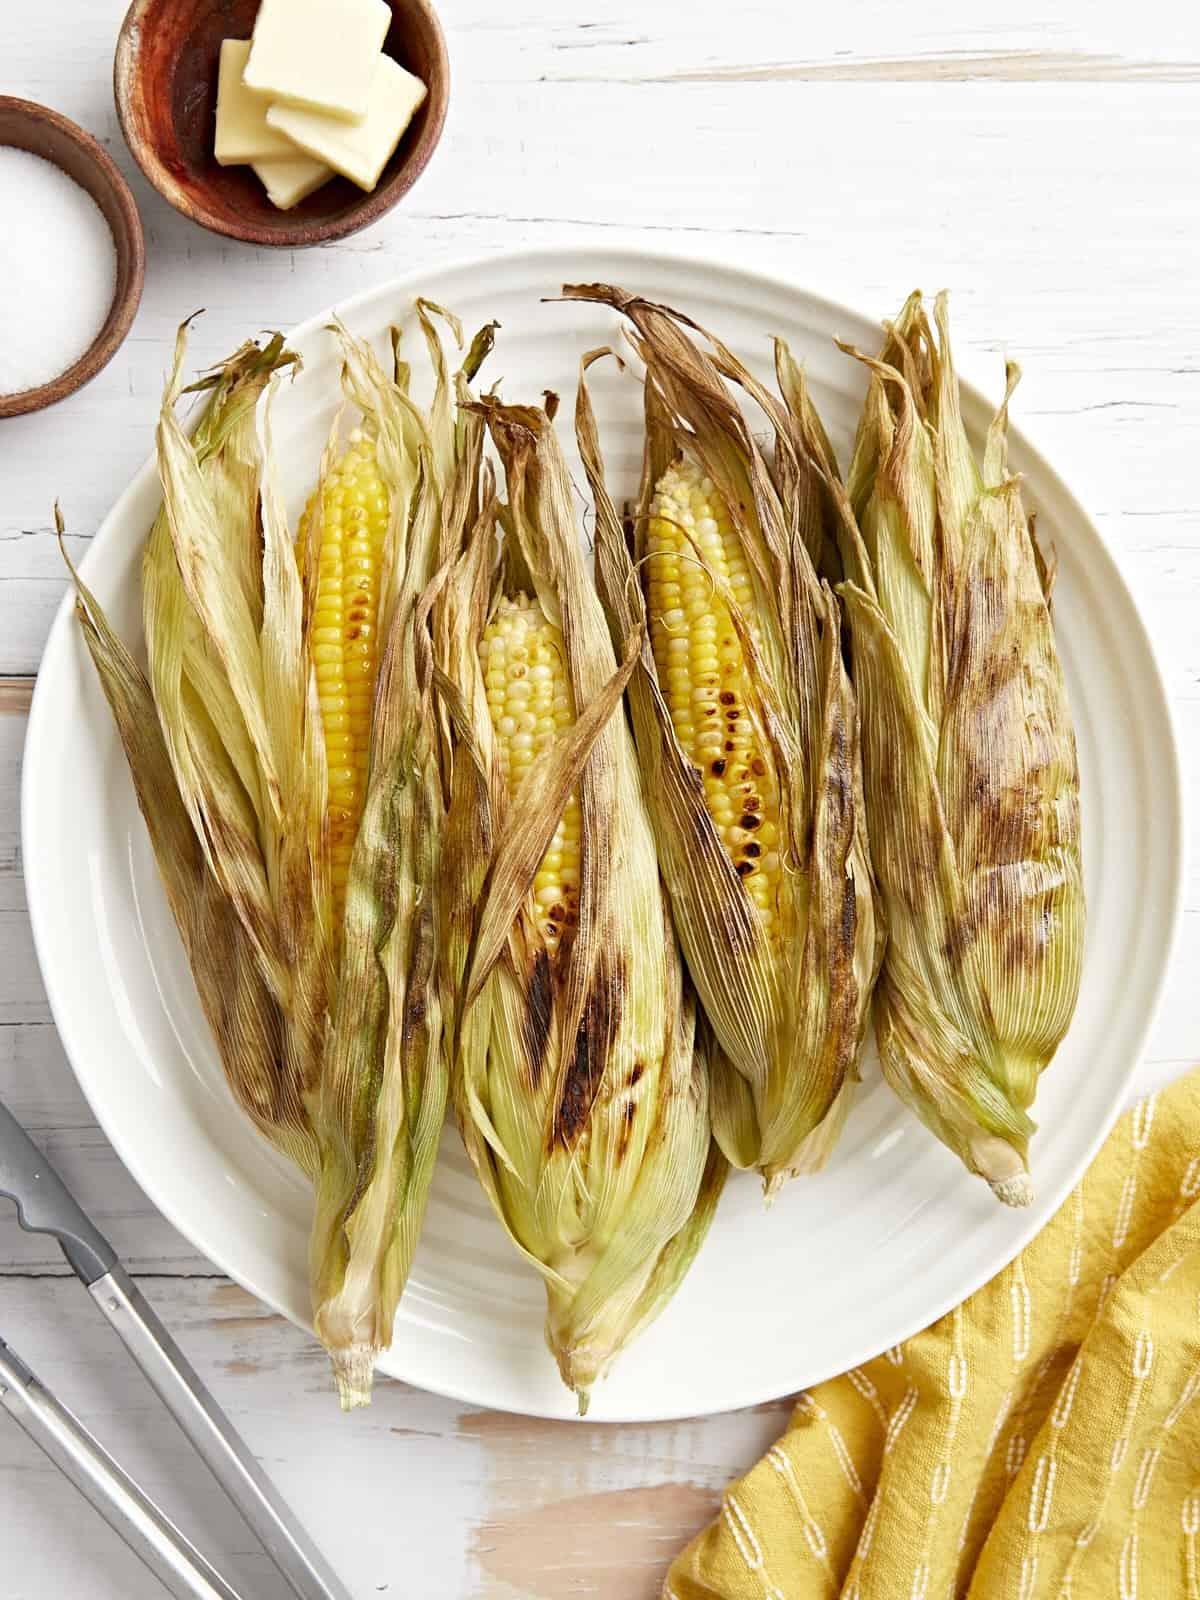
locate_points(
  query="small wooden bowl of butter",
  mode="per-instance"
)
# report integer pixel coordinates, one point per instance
(282, 122)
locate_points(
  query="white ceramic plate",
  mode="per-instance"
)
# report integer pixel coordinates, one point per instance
(846, 1264)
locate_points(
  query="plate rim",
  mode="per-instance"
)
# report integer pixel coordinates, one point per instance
(1169, 782)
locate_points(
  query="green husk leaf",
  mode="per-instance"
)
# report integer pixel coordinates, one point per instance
(383, 1085)
(442, 408)
(402, 440)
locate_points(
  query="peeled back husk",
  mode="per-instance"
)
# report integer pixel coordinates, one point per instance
(380, 1103)
(969, 755)
(581, 1098)
(787, 1004)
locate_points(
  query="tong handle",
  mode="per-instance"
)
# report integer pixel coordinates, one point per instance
(214, 1438)
(128, 1510)
(46, 1205)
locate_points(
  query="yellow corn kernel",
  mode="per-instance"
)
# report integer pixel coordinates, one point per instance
(353, 508)
(703, 673)
(530, 701)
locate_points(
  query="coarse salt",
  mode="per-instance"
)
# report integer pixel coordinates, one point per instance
(58, 271)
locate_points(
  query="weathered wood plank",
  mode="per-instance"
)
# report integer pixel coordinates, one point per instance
(560, 1543)
(955, 66)
(15, 696)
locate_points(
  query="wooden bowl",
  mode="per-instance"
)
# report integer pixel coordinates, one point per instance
(165, 78)
(28, 126)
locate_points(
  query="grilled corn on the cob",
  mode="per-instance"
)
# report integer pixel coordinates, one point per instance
(747, 731)
(286, 755)
(971, 773)
(581, 1099)
(378, 1110)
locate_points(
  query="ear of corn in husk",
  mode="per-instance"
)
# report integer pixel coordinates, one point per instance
(969, 753)
(381, 1100)
(747, 731)
(241, 1011)
(223, 652)
(579, 1092)
(285, 758)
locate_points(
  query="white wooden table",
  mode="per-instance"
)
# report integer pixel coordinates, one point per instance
(1046, 171)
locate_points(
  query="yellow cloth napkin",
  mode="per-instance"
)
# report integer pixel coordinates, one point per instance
(1041, 1442)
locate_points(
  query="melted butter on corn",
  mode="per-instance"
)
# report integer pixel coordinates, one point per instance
(703, 672)
(530, 701)
(353, 508)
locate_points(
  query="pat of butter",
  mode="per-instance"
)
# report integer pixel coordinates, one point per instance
(242, 131)
(290, 179)
(321, 54)
(358, 150)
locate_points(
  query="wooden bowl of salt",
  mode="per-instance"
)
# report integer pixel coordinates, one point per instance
(40, 202)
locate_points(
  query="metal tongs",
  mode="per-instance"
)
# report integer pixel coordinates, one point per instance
(45, 1205)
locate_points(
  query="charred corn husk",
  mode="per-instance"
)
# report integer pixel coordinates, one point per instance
(243, 1015)
(581, 1098)
(969, 753)
(747, 730)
